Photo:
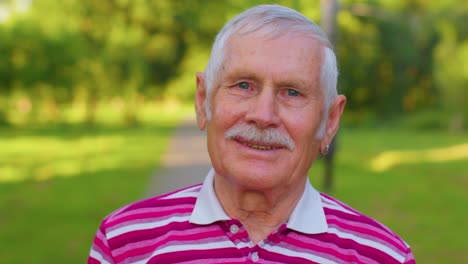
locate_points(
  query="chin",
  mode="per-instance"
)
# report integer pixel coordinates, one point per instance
(258, 179)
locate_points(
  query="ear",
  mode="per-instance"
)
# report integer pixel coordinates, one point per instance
(334, 117)
(200, 101)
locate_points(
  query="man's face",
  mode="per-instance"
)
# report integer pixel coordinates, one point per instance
(266, 85)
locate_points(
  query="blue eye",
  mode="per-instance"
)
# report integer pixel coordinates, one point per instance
(292, 92)
(243, 85)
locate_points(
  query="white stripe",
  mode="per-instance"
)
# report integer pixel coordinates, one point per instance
(291, 253)
(149, 210)
(368, 243)
(244, 244)
(143, 226)
(388, 238)
(185, 247)
(333, 205)
(190, 192)
(98, 256)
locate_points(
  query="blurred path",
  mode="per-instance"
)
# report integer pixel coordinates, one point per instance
(185, 163)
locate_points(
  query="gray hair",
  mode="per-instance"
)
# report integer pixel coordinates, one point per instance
(274, 21)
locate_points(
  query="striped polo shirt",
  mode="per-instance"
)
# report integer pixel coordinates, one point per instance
(190, 226)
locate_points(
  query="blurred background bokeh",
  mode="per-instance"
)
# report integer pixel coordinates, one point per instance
(90, 92)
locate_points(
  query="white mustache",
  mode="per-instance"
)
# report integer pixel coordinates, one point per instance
(269, 136)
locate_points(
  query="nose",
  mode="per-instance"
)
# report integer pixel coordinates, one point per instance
(263, 110)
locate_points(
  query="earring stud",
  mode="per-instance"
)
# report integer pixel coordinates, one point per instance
(324, 152)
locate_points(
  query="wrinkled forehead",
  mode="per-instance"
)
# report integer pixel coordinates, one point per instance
(285, 60)
(241, 42)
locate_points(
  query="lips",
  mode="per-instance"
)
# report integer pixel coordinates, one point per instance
(258, 145)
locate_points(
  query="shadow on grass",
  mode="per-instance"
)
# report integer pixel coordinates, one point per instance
(45, 152)
(73, 131)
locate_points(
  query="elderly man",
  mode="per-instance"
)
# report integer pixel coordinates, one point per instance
(269, 104)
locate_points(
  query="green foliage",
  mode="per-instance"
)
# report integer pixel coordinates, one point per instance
(395, 57)
(389, 64)
(31, 58)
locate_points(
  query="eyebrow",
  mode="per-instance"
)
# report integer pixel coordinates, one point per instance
(291, 83)
(241, 74)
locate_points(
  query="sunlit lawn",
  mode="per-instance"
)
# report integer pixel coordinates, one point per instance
(425, 202)
(56, 185)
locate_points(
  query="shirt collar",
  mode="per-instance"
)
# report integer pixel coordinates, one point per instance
(307, 217)
(207, 208)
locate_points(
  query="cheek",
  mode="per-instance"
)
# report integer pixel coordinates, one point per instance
(304, 136)
(226, 113)
(221, 120)
(304, 124)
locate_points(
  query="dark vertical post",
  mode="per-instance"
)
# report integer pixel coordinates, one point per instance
(329, 10)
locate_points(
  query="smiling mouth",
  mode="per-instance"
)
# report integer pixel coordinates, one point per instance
(258, 146)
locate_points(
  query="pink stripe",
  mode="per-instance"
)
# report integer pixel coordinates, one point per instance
(395, 241)
(198, 185)
(368, 232)
(143, 211)
(356, 218)
(318, 247)
(204, 256)
(155, 202)
(140, 245)
(409, 258)
(331, 200)
(151, 249)
(157, 237)
(159, 242)
(150, 217)
(93, 261)
(146, 234)
(100, 245)
(161, 205)
(389, 235)
(218, 260)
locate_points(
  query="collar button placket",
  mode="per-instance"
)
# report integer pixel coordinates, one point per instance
(234, 229)
(254, 256)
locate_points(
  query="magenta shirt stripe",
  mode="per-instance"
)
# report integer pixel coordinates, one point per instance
(387, 236)
(390, 237)
(157, 230)
(334, 246)
(201, 255)
(366, 233)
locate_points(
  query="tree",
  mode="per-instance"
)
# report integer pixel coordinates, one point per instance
(329, 11)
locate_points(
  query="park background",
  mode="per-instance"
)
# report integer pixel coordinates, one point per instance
(91, 91)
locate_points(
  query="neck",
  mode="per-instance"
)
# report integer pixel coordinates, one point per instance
(260, 211)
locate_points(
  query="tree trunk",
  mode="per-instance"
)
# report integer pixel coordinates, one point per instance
(329, 11)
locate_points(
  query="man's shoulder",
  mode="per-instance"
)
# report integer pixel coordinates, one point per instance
(347, 222)
(176, 203)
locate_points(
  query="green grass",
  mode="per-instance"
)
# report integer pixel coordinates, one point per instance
(56, 184)
(425, 202)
